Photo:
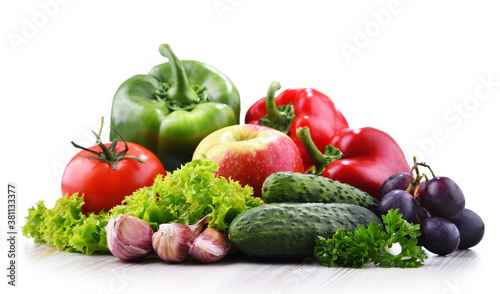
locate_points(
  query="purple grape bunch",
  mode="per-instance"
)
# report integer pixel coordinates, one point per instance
(438, 205)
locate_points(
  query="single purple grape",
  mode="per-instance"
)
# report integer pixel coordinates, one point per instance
(443, 198)
(400, 181)
(439, 235)
(471, 228)
(402, 200)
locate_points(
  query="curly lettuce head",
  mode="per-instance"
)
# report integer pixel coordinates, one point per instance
(188, 194)
(65, 226)
(184, 196)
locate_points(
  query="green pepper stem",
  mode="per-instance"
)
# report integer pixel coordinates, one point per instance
(181, 90)
(321, 161)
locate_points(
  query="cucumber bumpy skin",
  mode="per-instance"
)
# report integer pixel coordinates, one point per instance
(300, 188)
(289, 230)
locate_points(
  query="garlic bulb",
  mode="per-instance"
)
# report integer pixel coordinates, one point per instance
(129, 237)
(209, 246)
(171, 241)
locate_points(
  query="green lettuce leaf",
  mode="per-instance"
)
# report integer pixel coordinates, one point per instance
(65, 226)
(186, 195)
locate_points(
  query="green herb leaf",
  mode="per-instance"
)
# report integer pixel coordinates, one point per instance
(365, 244)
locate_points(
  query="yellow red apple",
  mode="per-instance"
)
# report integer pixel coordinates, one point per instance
(250, 153)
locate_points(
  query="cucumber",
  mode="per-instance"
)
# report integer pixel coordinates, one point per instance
(289, 230)
(296, 187)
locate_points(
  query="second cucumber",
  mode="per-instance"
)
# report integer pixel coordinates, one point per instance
(288, 230)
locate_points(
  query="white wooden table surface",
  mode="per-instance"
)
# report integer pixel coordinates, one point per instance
(43, 267)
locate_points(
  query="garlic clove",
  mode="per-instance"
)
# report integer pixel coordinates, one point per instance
(171, 242)
(198, 227)
(210, 246)
(129, 237)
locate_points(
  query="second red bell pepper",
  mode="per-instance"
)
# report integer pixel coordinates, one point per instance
(297, 108)
(363, 158)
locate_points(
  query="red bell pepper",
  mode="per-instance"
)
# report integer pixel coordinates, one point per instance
(363, 158)
(297, 108)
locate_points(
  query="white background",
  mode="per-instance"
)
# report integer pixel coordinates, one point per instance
(426, 72)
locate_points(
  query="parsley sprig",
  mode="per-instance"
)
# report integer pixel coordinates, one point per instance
(365, 244)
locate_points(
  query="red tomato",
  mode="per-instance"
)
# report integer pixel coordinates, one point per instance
(104, 187)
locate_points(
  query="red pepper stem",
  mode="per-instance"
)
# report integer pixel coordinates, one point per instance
(319, 160)
(181, 90)
(276, 117)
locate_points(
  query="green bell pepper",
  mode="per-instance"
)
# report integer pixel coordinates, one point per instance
(172, 108)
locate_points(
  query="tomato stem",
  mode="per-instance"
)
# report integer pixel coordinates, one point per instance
(100, 131)
(108, 154)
